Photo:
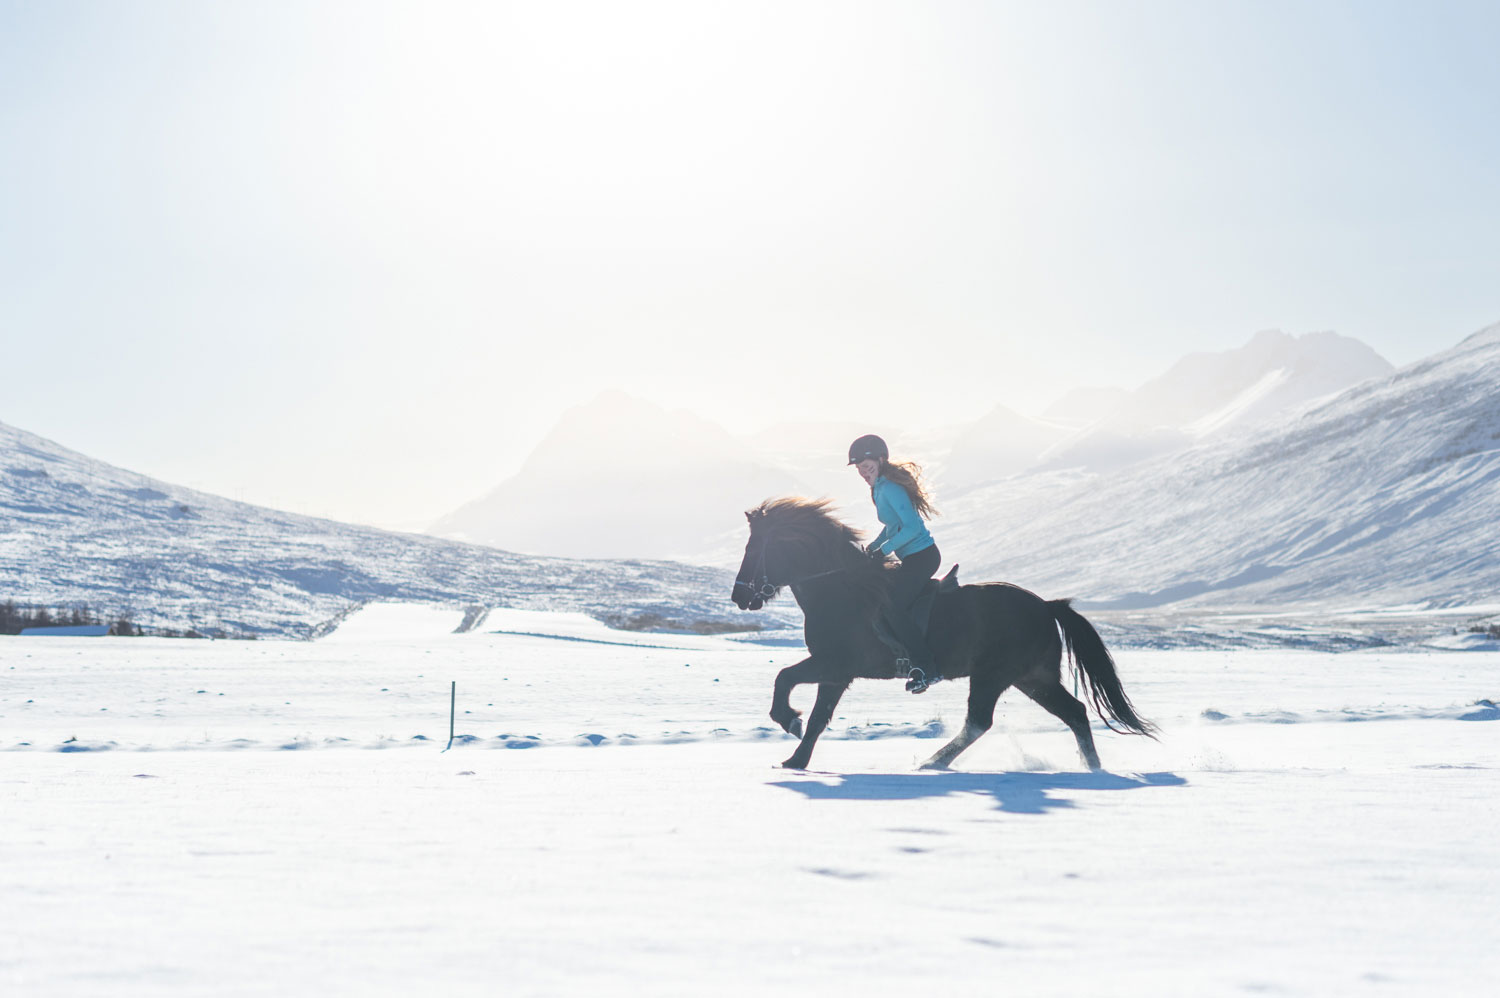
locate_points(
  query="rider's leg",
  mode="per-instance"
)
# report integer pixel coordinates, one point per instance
(913, 574)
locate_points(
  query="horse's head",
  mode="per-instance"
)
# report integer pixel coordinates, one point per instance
(791, 541)
(753, 585)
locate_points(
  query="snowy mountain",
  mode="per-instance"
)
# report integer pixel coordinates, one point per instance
(1078, 407)
(75, 530)
(1099, 429)
(622, 478)
(1002, 443)
(1208, 393)
(1386, 493)
(1383, 494)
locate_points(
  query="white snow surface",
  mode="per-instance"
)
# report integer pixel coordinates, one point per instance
(274, 818)
(1240, 404)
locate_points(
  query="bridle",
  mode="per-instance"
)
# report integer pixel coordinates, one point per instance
(762, 587)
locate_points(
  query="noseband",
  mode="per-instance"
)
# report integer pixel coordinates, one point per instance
(762, 588)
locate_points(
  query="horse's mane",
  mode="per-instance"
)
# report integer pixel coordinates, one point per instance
(821, 542)
(812, 518)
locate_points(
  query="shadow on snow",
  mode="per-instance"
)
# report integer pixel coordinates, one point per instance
(1019, 793)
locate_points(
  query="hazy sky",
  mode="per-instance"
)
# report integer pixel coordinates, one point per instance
(355, 259)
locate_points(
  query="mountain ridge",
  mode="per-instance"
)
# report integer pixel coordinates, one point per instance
(1385, 492)
(74, 529)
(1206, 393)
(596, 484)
(621, 477)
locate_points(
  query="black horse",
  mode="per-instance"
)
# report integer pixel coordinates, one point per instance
(997, 634)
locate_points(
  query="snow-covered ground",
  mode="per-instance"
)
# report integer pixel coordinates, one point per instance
(196, 817)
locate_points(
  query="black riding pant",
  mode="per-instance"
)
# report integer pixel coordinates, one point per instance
(916, 568)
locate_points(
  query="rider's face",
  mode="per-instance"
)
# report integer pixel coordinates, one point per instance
(869, 470)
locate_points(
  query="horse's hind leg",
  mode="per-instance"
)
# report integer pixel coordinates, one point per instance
(1062, 705)
(983, 692)
(822, 712)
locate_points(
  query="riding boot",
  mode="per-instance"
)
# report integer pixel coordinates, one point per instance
(922, 669)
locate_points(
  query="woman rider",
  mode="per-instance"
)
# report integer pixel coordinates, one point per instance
(901, 502)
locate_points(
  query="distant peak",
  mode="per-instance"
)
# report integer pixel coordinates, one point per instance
(1271, 336)
(1489, 334)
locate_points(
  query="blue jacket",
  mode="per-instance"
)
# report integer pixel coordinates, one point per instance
(904, 532)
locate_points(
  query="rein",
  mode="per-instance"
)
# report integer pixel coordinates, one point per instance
(817, 575)
(763, 588)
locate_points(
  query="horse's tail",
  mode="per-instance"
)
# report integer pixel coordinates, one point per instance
(1090, 658)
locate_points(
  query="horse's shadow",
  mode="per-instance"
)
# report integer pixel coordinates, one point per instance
(1018, 793)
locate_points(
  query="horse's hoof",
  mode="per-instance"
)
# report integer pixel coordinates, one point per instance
(793, 764)
(941, 767)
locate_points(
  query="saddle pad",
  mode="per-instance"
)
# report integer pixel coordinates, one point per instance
(922, 609)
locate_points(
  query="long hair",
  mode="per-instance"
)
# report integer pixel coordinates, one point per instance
(908, 475)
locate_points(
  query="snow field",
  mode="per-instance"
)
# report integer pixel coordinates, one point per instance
(1309, 824)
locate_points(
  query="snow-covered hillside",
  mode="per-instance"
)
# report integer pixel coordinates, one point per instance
(622, 478)
(75, 530)
(1387, 493)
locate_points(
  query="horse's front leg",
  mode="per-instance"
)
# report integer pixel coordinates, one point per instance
(822, 713)
(787, 680)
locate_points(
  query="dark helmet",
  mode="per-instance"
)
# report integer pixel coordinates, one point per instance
(868, 446)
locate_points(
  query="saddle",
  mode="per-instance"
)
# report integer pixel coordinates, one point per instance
(921, 610)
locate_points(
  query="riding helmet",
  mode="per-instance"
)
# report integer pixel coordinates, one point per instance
(868, 446)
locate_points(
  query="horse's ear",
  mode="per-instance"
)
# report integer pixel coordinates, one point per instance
(750, 516)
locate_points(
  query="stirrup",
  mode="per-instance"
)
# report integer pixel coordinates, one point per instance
(917, 681)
